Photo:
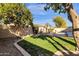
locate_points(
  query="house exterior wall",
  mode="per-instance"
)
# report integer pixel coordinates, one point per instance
(42, 29)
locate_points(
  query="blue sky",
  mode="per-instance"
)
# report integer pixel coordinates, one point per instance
(42, 17)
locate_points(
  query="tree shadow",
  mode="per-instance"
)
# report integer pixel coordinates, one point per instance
(59, 45)
(57, 48)
(69, 52)
(44, 37)
(74, 44)
(34, 50)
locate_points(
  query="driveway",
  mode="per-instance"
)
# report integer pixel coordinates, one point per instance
(7, 47)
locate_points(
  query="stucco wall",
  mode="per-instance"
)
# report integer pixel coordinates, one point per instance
(42, 29)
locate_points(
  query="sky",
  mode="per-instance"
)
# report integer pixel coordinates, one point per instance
(40, 16)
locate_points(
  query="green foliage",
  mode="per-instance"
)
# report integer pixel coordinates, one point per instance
(15, 13)
(60, 8)
(60, 22)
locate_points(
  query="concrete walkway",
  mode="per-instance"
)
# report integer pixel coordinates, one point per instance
(7, 48)
(66, 53)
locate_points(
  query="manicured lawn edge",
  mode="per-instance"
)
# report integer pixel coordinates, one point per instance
(21, 49)
(25, 53)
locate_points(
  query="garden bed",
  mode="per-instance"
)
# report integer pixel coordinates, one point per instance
(46, 45)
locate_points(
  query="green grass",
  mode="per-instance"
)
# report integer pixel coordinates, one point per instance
(47, 45)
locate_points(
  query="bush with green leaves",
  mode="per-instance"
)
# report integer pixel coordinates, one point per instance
(60, 22)
(16, 13)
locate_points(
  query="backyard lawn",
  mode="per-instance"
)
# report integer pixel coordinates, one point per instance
(47, 45)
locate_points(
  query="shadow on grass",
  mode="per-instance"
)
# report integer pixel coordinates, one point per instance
(43, 37)
(64, 48)
(67, 41)
(34, 50)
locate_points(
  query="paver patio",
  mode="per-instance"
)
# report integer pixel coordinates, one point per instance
(7, 47)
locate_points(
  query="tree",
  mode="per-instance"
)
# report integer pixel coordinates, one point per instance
(72, 16)
(60, 22)
(15, 13)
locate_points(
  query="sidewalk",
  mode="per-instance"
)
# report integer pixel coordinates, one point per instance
(66, 53)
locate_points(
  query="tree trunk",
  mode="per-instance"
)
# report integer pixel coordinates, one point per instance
(75, 25)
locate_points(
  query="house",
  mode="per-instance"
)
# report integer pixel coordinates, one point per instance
(42, 29)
